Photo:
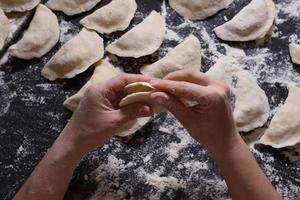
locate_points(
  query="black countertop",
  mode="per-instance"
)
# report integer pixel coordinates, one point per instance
(161, 161)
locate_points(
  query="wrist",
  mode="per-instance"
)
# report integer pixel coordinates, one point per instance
(227, 146)
(71, 140)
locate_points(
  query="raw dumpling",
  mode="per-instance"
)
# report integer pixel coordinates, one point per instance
(140, 92)
(72, 7)
(18, 5)
(185, 55)
(144, 39)
(198, 9)
(41, 36)
(251, 106)
(284, 129)
(76, 56)
(132, 127)
(4, 28)
(115, 16)
(295, 53)
(253, 22)
(103, 72)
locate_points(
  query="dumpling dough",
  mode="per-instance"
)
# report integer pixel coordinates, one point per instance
(295, 53)
(72, 7)
(140, 92)
(103, 72)
(41, 36)
(253, 22)
(4, 28)
(76, 56)
(185, 55)
(284, 129)
(251, 106)
(18, 5)
(198, 9)
(115, 16)
(132, 127)
(144, 39)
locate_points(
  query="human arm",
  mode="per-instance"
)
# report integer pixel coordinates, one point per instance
(93, 123)
(211, 123)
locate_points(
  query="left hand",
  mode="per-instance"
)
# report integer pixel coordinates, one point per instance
(98, 115)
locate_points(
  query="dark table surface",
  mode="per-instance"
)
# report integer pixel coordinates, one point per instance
(161, 161)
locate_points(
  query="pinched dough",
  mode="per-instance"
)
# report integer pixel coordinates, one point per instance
(295, 53)
(185, 55)
(72, 7)
(251, 106)
(103, 72)
(116, 16)
(140, 92)
(284, 129)
(18, 5)
(4, 28)
(198, 9)
(41, 36)
(76, 56)
(253, 22)
(144, 39)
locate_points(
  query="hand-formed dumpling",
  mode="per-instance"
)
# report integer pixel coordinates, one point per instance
(76, 56)
(4, 28)
(144, 39)
(41, 36)
(198, 9)
(253, 22)
(185, 55)
(251, 106)
(295, 53)
(116, 16)
(18, 5)
(284, 129)
(72, 7)
(103, 72)
(140, 92)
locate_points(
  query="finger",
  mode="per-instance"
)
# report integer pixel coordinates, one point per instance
(132, 111)
(169, 102)
(181, 89)
(190, 75)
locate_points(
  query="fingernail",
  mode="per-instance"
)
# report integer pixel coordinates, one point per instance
(159, 100)
(154, 82)
(145, 110)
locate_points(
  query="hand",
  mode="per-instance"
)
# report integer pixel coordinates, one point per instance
(98, 115)
(210, 122)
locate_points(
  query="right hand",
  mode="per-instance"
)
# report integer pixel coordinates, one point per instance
(211, 121)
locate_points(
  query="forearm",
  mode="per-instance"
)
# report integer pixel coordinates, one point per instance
(242, 174)
(51, 177)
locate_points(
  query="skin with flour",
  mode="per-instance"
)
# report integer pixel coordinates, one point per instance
(207, 122)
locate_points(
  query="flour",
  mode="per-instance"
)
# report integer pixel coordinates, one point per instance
(67, 30)
(5, 99)
(172, 36)
(290, 9)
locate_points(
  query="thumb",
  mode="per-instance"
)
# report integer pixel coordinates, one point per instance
(177, 108)
(132, 112)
